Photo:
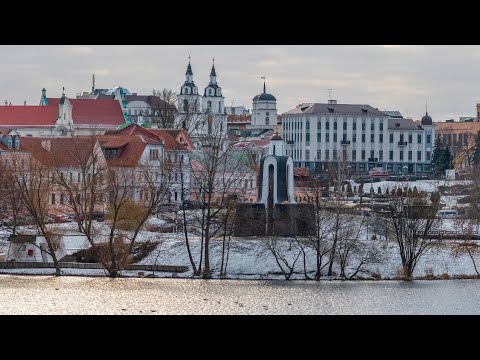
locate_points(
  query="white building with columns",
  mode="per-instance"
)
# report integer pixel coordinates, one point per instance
(318, 136)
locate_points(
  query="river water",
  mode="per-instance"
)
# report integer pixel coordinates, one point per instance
(83, 295)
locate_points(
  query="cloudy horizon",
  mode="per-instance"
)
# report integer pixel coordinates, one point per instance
(387, 77)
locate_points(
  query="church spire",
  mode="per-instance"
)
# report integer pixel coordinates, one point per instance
(213, 74)
(189, 73)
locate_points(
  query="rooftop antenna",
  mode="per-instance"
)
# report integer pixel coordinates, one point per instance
(329, 93)
(189, 59)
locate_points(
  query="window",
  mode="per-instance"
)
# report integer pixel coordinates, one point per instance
(354, 138)
(110, 153)
(354, 125)
(381, 126)
(71, 177)
(251, 183)
(327, 125)
(372, 126)
(354, 155)
(401, 137)
(363, 124)
(327, 137)
(79, 177)
(401, 155)
(307, 137)
(335, 125)
(307, 124)
(62, 199)
(391, 138)
(319, 137)
(335, 137)
(135, 112)
(410, 136)
(391, 156)
(24, 247)
(344, 137)
(454, 139)
(380, 155)
(419, 155)
(153, 154)
(220, 108)
(372, 138)
(319, 154)
(410, 156)
(327, 154)
(363, 154)
(176, 196)
(372, 154)
(363, 138)
(419, 138)
(380, 138)
(334, 154)
(428, 154)
(307, 155)
(176, 176)
(319, 125)
(209, 104)
(53, 198)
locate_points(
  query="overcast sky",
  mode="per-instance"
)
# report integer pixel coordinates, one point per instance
(385, 77)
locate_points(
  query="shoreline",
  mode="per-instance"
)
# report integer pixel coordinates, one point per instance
(132, 276)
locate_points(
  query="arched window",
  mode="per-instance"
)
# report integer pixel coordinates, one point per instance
(219, 108)
(209, 105)
(195, 105)
(209, 91)
(186, 90)
(185, 105)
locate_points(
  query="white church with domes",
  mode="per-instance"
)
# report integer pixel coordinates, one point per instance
(201, 116)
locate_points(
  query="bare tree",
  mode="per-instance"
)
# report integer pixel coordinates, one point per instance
(352, 252)
(214, 175)
(286, 253)
(412, 221)
(10, 202)
(35, 182)
(162, 107)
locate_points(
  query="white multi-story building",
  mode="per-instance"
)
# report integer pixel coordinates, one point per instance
(318, 136)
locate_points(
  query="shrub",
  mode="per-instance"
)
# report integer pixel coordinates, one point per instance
(141, 250)
(376, 276)
(379, 190)
(445, 276)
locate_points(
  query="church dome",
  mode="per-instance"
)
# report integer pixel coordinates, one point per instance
(264, 97)
(427, 119)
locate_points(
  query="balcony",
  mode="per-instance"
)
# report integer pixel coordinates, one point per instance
(402, 143)
(345, 142)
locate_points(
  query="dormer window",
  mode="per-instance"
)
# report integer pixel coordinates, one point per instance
(110, 153)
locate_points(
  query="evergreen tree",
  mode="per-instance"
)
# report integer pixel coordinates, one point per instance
(476, 150)
(442, 159)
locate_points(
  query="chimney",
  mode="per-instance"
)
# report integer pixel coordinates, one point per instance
(46, 145)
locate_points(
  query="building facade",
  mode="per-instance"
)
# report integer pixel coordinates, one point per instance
(319, 136)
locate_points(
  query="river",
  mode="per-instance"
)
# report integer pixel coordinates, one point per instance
(84, 295)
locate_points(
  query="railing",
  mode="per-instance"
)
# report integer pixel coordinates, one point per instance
(65, 265)
(402, 143)
(345, 142)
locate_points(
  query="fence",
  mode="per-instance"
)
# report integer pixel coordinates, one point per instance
(72, 265)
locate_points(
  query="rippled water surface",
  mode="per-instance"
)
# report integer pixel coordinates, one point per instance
(82, 295)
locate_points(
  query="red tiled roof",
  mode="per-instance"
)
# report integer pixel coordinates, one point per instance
(132, 147)
(18, 116)
(169, 140)
(92, 111)
(63, 151)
